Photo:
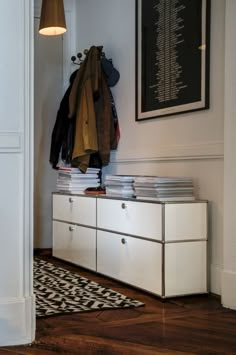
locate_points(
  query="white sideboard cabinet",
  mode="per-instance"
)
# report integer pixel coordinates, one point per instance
(155, 246)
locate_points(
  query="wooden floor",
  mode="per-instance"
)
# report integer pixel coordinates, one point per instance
(191, 325)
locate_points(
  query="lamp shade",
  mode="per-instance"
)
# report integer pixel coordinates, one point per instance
(52, 19)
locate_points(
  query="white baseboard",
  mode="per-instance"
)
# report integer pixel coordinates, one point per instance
(215, 279)
(228, 280)
(17, 321)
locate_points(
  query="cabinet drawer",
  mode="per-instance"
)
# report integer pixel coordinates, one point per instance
(129, 217)
(185, 268)
(75, 209)
(134, 261)
(187, 221)
(75, 244)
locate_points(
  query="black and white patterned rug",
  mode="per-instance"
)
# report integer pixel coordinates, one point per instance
(60, 291)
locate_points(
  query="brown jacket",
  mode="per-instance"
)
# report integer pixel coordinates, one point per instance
(90, 101)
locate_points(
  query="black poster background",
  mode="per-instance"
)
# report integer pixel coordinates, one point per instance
(171, 55)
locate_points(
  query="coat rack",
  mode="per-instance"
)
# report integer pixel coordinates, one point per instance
(79, 58)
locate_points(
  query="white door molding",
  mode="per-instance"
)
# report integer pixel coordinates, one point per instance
(17, 303)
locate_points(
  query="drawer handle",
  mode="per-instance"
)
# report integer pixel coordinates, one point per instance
(71, 200)
(123, 241)
(71, 229)
(123, 206)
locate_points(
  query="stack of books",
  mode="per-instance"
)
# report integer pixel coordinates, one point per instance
(119, 185)
(159, 188)
(72, 180)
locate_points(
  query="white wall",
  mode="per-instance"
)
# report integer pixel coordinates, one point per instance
(48, 84)
(229, 245)
(17, 321)
(190, 144)
(52, 67)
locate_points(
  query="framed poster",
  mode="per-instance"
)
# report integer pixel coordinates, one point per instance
(172, 57)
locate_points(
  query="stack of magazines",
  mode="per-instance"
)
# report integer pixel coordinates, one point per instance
(72, 180)
(119, 185)
(159, 188)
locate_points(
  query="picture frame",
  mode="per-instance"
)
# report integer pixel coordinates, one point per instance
(172, 57)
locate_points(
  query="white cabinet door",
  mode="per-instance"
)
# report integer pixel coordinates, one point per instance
(130, 217)
(186, 221)
(75, 244)
(185, 268)
(75, 209)
(134, 261)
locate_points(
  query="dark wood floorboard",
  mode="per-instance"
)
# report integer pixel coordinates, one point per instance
(187, 325)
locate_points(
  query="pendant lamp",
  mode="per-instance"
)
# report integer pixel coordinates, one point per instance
(52, 19)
